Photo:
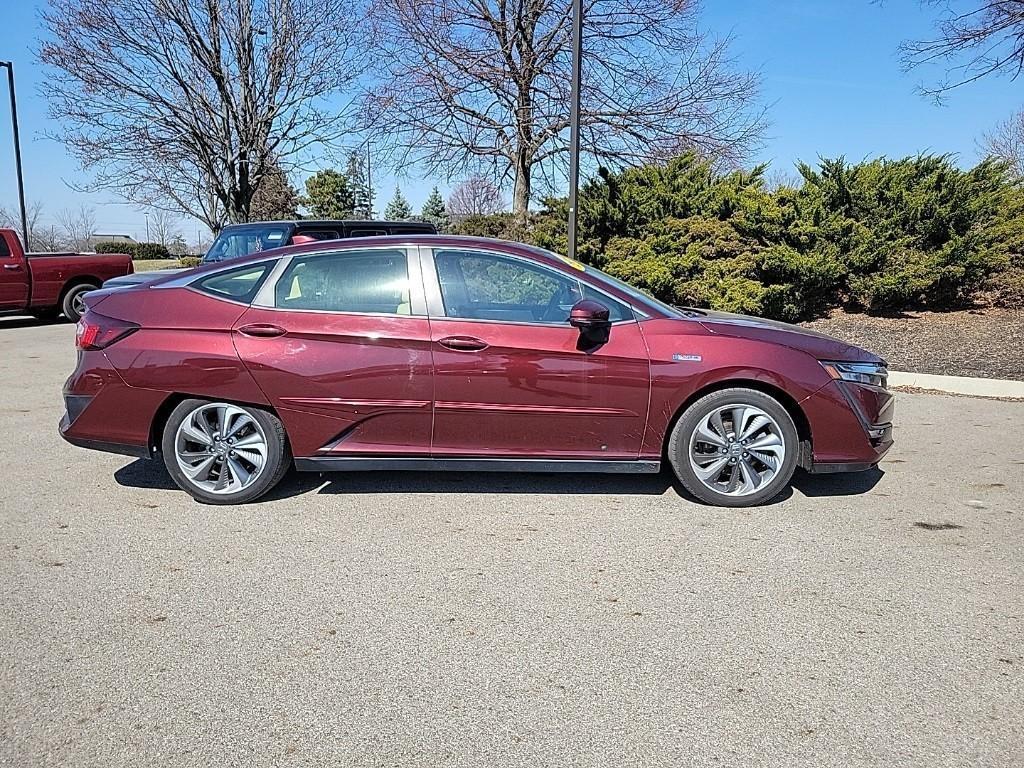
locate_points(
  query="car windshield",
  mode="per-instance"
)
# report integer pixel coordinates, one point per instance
(236, 242)
(640, 297)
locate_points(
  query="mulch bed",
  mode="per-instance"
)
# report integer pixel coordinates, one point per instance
(988, 343)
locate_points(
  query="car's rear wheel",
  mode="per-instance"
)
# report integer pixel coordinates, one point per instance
(735, 448)
(73, 304)
(223, 453)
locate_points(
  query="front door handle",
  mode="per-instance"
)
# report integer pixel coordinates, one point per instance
(262, 330)
(12, 267)
(463, 343)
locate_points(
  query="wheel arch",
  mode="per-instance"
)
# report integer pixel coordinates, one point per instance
(76, 281)
(172, 401)
(803, 425)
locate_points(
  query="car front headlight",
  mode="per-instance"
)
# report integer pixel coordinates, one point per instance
(872, 374)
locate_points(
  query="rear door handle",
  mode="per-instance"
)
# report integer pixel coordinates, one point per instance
(463, 343)
(262, 330)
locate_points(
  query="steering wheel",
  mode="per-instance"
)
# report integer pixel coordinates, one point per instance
(553, 312)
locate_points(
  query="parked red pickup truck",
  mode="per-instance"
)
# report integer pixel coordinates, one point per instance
(45, 284)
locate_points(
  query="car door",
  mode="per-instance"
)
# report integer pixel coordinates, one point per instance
(13, 279)
(339, 342)
(511, 377)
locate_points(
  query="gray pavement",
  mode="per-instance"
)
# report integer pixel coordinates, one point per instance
(479, 620)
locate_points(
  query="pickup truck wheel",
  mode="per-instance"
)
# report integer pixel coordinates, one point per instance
(74, 301)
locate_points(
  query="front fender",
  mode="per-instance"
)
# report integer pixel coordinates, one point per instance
(685, 364)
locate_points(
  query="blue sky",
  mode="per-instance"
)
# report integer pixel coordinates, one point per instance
(832, 83)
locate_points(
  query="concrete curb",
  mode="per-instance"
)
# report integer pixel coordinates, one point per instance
(958, 385)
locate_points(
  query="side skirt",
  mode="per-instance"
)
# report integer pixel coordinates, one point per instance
(370, 463)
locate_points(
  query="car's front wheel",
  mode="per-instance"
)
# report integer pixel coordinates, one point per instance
(223, 453)
(735, 448)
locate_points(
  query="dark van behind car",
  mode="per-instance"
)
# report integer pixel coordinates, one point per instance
(238, 240)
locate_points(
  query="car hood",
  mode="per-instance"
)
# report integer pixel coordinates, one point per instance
(141, 278)
(818, 345)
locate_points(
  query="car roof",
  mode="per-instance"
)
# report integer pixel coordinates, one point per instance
(329, 223)
(420, 238)
(509, 247)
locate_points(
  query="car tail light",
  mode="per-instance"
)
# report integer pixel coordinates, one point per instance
(98, 332)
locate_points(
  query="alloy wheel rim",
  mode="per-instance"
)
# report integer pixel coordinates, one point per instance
(78, 302)
(221, 448)
(737, 450)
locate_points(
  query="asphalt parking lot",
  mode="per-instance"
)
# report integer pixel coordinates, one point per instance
(478, 620)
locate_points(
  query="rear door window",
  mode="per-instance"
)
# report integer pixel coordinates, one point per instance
(364, 282)
(319, 234)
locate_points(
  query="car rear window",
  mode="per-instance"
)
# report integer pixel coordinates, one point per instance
(241, 284)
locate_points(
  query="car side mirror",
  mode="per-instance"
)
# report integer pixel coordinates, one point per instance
(591, 318)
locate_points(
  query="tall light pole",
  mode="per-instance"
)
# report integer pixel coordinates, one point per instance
(574, 122)
(17, 152)
(369, 180)
(146, 213)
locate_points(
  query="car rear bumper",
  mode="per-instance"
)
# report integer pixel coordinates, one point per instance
(103, 413)
(125, 449)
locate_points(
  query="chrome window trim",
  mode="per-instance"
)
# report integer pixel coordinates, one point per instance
(535, 324)
(433, 249)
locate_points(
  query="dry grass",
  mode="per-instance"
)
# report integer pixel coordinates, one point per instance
(148, 265)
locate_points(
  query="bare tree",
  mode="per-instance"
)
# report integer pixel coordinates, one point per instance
(476, 196)
(985, 39)
(77, 227)
(164, 227)
(485, 84)
(1006, 142)
(780, 178)
(46, 238)
(11, 219)
(167, 101)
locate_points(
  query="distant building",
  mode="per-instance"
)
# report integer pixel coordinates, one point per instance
(101, 238)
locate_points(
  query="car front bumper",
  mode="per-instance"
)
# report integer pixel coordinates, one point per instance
(851, 427)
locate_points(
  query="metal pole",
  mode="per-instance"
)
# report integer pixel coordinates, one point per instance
(147, 226)
(574, 122)
(17, 153)
(369, 182)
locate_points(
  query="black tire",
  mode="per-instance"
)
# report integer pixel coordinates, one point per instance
(72, 298)
(278, 461)
(679, 446)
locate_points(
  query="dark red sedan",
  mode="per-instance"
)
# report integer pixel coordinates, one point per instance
(433, 352)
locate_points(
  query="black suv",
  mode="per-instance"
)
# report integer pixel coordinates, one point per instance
(237, 240)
